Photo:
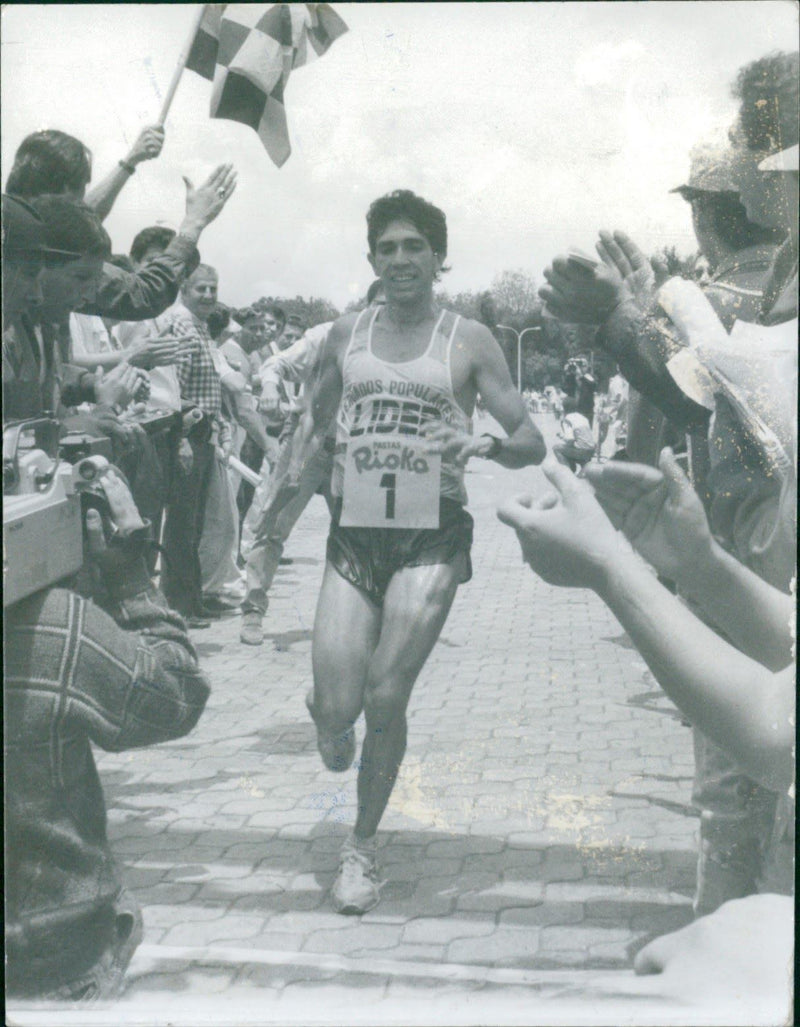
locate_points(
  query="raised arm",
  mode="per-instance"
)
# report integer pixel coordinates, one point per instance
(745, 708)
(662, 516)
(147, 146)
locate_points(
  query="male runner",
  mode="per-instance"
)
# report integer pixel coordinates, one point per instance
(404, 377)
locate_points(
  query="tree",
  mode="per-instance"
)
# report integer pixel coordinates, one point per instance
(677, 266)
(516, 300)
(313, 310)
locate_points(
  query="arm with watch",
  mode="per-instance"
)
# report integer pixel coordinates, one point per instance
(491, 379)
(147, 146)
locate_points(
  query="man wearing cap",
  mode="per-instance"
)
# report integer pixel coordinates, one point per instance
(751, 507)
(35, 376)
(739, 254)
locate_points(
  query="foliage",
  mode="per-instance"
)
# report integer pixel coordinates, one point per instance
(312, 310)
(677, 265)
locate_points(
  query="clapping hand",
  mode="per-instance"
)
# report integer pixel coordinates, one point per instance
(118, 387)
(577, 294)
(565, 536)
(158, 352)
(658, 511)
(641, 276)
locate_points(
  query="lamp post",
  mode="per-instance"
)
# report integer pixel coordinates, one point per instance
(516, 334)
(522, 335)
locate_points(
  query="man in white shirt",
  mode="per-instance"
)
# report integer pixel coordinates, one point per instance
(268, 525)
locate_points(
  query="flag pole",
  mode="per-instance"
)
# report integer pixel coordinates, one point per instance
(184, 57)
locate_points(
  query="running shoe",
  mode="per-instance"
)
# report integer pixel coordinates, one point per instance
(337, 748)
(252, 630)
(356, 889)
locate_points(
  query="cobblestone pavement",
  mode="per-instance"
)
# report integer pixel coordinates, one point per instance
(540, 823)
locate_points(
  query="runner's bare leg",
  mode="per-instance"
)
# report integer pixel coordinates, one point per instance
(415, 609)
(346, 631)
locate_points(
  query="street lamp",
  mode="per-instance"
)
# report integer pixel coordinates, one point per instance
(507, 328)
(522, 335)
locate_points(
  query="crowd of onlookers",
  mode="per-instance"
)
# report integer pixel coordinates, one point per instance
(710, 363)
(136, 358)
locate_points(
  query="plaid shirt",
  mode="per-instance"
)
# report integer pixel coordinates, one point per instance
(73, 678)
(198, 377)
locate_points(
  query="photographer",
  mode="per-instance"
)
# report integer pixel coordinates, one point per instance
(75, 674)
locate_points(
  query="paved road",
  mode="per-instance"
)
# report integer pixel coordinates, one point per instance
(540, 824)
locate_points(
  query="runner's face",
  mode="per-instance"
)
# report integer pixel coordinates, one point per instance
(404, 262)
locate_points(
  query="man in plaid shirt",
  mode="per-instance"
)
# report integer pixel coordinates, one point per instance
(201, 397)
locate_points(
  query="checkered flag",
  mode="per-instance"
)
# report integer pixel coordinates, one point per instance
(248, 52)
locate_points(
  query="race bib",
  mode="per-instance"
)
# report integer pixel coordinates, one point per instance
(390, 483)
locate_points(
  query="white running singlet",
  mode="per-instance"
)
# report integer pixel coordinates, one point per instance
(383, 470)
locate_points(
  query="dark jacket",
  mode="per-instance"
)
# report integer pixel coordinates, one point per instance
(138, 295)
(642, 343)
(76, 676)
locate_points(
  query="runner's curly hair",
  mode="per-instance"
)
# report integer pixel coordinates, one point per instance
(403, 205)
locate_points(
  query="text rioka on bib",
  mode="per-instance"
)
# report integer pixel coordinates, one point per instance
(390, 483)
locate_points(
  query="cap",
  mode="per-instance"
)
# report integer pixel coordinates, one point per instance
(710, 169)
(783, 160)
(24, 234)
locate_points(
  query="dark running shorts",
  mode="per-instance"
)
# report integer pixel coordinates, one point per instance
(368, 557)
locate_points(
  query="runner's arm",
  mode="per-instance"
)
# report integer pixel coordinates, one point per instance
(524, 444)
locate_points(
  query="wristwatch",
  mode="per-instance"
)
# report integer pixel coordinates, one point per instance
(497, 445)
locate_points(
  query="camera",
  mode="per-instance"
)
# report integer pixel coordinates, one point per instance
(44, 497)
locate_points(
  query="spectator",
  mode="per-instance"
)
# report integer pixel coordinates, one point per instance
(222, 581)
(55, 163)
(581, 386)
(741, 695)
(270, 324)
(37, 376)
(201, 397)
(24, 254)
(292, 331)
(746, 496)
(259, 340)
(127, 677)
(576, 444)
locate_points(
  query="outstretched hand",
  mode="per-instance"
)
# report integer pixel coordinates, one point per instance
(565, 536)
(204, 202)
(658, 511)
(641, 276)
(580, 295)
